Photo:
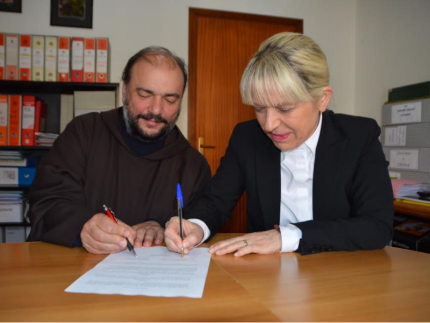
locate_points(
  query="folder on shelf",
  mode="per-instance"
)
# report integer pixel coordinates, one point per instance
(4, 119)
(28, 120)
(38, 58)
(24, 58)
(14, 234)
(11, 212)
(77, 70)
(12, 50)
(2, 56)
(14, 136)
(40, 116)
(17, 176)
(63, 59)
(102, 60)
(18, 162)
(66, 111)
(51, 54)
(89, 60)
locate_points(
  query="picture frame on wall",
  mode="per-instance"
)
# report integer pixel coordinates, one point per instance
(11, 5)
(72, 13)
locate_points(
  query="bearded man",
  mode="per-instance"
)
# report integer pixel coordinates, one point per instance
(130, 159)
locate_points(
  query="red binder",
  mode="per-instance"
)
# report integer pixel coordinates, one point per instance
(89, 60)
(14, 138)
(2, 56)
(28, 120)
(25, 57)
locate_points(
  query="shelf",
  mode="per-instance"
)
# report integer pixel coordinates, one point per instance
(25, 148)
(19, 87)
(418, 211)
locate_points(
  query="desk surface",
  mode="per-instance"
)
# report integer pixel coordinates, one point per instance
(382, 285)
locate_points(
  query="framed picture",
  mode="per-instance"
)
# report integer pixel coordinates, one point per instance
(10, 5)
(72, 13)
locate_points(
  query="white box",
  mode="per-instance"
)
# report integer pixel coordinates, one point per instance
(11, 213)
(14, 234)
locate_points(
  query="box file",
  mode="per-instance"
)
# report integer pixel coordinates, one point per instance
(25, 57)
(38, 58)
(414, 135)
(51, 53)
(17, 176)
(409, 92)
(89, 60)
(102, 60)
(11, 212)
(14, 234)
(21, 162)
(413, 159)
(414, 111)
(4, 119)
(14, 135)
(2, 56)
(77, 70)
(12, 50)
(28, 120)
(63, 59)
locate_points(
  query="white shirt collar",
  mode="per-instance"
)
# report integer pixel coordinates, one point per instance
(313, 140)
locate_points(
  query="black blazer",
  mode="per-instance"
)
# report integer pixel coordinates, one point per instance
(352, 193)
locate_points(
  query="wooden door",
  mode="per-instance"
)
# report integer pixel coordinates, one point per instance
(220, 46)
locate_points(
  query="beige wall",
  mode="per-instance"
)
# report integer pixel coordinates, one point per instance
(359, 38)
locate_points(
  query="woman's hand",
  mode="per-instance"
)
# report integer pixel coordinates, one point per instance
(263, 243)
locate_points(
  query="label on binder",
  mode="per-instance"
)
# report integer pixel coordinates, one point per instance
(63, 59)
(17, 176)
(25, 58)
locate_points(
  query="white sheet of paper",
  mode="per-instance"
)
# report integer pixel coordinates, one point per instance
(154, 272)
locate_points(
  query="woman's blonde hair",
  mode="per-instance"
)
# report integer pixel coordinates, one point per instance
(289, 64)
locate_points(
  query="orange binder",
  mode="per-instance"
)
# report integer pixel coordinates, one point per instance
(3, 119)
(2, 57)
(28, 120)
(63, 59)
(24, 58)
(14, 136)
(12, 49)
(102, 60)
(89, 60)
(77, 70)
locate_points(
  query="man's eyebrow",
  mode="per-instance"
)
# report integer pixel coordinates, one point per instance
(142, 89)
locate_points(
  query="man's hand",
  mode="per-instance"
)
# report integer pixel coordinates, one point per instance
(146, 232)
(101, 235)
(193, 234)
(263, 243)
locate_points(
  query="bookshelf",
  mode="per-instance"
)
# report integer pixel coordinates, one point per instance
(49, 92)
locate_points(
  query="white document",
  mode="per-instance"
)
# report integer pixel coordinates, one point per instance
(406, 113)
(154, 272)
(404, 159)
(395, 136)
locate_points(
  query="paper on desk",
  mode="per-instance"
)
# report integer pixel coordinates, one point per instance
(154, 272)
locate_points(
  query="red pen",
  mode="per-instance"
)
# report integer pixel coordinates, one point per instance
(111, 214)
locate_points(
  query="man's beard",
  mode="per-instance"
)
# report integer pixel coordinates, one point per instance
(134, 130)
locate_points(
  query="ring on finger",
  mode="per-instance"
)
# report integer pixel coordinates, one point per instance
(245, 242)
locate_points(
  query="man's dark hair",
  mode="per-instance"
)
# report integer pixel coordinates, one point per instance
(153, 51)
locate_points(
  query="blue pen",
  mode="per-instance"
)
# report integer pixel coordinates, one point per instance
(180, 200)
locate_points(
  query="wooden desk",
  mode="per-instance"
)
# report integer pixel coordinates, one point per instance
(418, 211)
(382, 285)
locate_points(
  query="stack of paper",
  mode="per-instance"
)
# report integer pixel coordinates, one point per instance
(45, 139)
(406, 188)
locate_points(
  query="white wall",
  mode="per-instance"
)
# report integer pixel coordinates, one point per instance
(333, 24)
(392, 50)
